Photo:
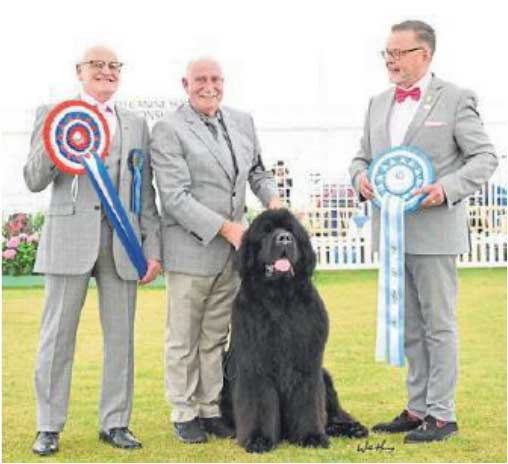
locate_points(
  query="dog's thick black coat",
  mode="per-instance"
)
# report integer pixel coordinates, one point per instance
(275, 387)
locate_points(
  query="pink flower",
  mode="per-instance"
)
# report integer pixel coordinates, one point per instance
(13, 242)
(14, 227)
(34, 238)
(9, 254)
(16, 223)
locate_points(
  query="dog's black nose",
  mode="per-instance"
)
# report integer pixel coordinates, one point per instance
(283, 238)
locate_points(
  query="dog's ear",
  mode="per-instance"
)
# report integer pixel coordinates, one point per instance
(245, 258)
(308, 257)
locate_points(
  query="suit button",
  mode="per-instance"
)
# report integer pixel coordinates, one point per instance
(96, 207)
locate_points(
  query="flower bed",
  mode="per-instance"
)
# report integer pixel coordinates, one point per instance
(20, 238)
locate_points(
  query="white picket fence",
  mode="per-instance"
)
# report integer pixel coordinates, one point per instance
(341, 235)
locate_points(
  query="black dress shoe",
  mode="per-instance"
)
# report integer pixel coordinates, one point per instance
(190, 431)
(120, 437)
(402, 423)
(429, 431)
(46, 443)
(216, 426)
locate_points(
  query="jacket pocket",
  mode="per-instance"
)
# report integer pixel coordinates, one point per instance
(168, 222)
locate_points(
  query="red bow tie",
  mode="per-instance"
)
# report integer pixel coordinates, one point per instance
(401, 94)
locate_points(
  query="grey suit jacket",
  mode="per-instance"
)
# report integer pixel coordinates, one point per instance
(69, 242)
(447, 126)
(198, 190)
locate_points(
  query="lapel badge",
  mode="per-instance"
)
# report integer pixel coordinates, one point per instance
(428, 101)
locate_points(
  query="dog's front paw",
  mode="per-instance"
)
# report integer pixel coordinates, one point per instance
(347, 429)
(259, 444)
(315, 440)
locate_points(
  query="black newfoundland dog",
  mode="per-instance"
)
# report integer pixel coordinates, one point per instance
(275, 386)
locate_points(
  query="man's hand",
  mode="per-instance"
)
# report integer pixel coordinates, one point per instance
(275, 203)
(232, 232)
(366, 189)
(435, 197)
(153, 269)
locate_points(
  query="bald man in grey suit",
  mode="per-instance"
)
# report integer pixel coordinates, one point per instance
(203, 155)
(442, 120)
(78, 242)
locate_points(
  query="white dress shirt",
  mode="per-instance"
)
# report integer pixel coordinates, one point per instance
(107, 109)
(403, 113)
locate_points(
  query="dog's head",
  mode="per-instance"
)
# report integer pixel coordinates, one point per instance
(276, 247)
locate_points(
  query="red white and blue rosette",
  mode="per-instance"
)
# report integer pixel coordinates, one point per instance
(73, 129)
(395, 175)
(76, 138)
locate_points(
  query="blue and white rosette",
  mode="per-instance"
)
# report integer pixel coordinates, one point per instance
(76, 137)
(395, 176)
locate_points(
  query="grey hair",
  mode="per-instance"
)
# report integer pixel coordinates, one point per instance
(192, 62)
(424, 32)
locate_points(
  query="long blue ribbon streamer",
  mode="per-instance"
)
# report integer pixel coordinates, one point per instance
(115, 211)
(390, 317)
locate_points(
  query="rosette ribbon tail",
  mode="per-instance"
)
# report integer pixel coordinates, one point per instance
(390, 311)
(136, 165)
(115, 212)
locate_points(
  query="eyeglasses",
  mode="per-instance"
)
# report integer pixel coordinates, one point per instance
(397, 53)
(100, 64)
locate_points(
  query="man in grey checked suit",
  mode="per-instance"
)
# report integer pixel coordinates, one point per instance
(202, 158)
(441, 119)
(78, 242)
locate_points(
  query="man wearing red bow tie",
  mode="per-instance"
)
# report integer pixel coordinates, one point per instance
(442, 120)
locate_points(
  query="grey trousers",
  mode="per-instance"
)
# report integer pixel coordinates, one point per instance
(64, 299)
(431, 334)
(198, 316)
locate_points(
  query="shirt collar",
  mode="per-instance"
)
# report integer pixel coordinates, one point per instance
(102, 106)
(204, 117)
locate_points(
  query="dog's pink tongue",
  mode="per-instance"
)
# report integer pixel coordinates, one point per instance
(282, 265)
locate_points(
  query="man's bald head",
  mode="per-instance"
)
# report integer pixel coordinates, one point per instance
(99, 72)
(91, 52)
(203, 83)
(200, 62)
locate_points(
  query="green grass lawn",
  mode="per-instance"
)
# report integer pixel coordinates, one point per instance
(370, 391)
